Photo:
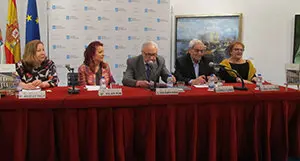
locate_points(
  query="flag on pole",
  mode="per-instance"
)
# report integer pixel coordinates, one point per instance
(32, 22)
(12, 41)
(2, 54)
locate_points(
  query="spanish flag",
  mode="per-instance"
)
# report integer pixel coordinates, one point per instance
(12, 41)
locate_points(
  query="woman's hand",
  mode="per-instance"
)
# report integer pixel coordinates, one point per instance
(245, 81)
(254, 79)
(44, 85)
(28, 86)
(37, 83)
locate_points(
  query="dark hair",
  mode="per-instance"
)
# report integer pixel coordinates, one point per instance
(230, 47)
(89, 54)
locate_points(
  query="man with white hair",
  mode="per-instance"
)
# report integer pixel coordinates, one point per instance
(193, 67)
(146, 67)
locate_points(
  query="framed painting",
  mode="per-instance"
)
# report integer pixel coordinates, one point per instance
(296, 51)
(215, 31)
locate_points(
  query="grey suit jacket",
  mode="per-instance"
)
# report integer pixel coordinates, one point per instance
(136, 71)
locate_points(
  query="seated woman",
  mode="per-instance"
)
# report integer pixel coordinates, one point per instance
(35, 69)
(244, 67)
(93, 67)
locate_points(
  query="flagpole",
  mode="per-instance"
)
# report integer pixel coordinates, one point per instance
(48, 43)
(171, 38)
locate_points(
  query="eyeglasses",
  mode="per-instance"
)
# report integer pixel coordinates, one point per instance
(199, 50)
(237, 49)
(150, 54)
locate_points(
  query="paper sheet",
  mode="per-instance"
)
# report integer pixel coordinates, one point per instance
(92, 88)
(201, 86)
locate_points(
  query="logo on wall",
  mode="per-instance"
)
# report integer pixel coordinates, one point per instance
(58, 27)
(120, 28)
(89, 8)
(121, 25)
(57, 7)
(72, 37)
(55, 47)
(118, 47)
(120, 10)
(120, 66)
(71, 18)
(149, 29)
(103, 38)
(102, 18)
(149, 10)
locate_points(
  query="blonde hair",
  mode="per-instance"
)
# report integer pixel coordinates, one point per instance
(29, 57)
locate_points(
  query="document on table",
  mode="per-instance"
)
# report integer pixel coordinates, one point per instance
(201, 86)
(92, 88)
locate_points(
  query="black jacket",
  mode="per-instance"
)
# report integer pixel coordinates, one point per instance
(184, 68)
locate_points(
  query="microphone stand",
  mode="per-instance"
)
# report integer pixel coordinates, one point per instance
(242, 88)
(73, 90)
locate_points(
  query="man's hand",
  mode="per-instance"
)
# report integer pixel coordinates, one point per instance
(142, 83)
(201, 79)
(173, 79)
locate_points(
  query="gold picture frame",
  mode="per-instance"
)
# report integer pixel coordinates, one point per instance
(296, 50)
(216, 31)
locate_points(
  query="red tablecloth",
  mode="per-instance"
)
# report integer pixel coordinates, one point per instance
(195, 125)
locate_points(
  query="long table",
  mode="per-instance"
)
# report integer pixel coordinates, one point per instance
(139, 125)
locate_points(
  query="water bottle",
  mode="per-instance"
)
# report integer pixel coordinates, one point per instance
(259, 80)
(211, 83)
(17, 84)
(102, 83)
(170, 81)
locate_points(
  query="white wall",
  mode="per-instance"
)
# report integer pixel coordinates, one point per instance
(267, 27)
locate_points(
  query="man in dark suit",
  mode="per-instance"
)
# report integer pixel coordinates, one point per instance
(146, 67)
(193, 67)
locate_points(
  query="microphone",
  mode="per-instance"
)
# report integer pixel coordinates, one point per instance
(72, 80)
(215, 65)
(69, 68)
(217, 68)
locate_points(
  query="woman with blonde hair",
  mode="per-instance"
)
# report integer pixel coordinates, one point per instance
(35, 69)
(94, 67)
(244, 67)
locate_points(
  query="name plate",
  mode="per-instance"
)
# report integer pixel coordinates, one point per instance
(269, 88)
(224, 89)
(110, 92)
(167, 91)
(32, 94)
(7, 68)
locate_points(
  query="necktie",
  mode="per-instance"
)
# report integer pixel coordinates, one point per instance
(148, 71)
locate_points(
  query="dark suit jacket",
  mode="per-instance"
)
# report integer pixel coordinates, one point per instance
(136, 70)
(184, 68)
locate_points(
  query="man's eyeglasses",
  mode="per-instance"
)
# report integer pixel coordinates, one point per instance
(150, 54)
(237, 49)
(199, 50)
